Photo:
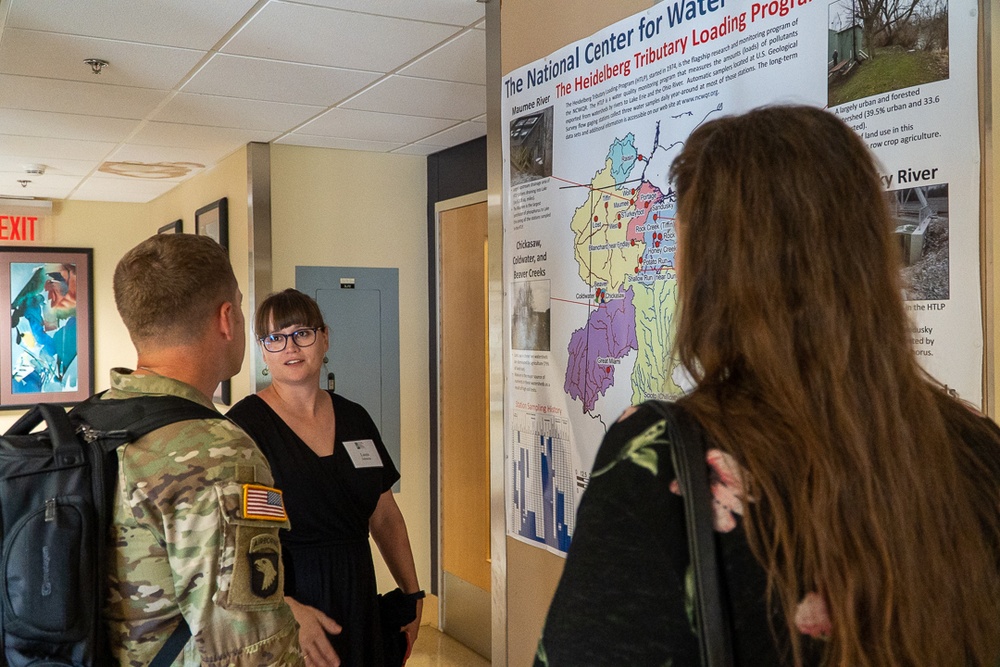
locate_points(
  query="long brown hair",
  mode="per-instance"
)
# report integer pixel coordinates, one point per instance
(792, 321)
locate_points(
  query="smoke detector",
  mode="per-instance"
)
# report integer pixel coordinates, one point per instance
(37, 169)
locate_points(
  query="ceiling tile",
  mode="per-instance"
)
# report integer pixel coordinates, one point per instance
(53, 166)
(419, 149)
(154, 154)
(90, 99)
(454, 12)
(320, 36)
(277, 81)
(129, 172)
(456, 135)
(54, 56)
(65, 126)
(46, 186)
(233, 112)
(461, 59)
(423, 97)
(351, 124)
(194, 24)
(218, 139)
(39, 149)
(334, 142)
(113, 189)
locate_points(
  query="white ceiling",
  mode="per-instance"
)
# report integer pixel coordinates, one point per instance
(192, 81)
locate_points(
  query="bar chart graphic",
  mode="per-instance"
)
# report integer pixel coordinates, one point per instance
(543, 508)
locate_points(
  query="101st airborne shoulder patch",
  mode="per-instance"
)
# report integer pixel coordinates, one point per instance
(263, 502)
(265, 566)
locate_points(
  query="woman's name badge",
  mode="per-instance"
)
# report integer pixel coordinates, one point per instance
(363, 453)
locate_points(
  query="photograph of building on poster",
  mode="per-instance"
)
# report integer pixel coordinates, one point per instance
(875, 46)
(921, 219)
(531, 146)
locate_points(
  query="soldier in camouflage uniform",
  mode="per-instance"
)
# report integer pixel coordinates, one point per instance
(195, 528)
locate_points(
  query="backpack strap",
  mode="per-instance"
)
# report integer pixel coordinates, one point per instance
(118, 421)
(121, 420)
(687, 447)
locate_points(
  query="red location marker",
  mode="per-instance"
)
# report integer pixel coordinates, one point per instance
(640, 260)
(637, 269)
(619, 216)
(605, 204)
(659, 235)
(619, 225)
(631, 202)
(633, 242)
(608, 369)
(647, 204)
(655, 216)
(633, 191)
(595, 218)
(657, 244)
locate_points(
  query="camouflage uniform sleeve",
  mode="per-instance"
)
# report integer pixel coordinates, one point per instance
(225, 563)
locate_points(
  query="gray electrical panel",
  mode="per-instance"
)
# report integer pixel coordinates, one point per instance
(361, 309)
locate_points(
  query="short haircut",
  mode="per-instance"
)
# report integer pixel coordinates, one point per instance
(168, 287)
(283, 309)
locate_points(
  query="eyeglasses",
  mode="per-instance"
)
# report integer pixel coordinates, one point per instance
(277, 342)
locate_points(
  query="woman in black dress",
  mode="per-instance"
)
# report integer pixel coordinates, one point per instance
(328, 458)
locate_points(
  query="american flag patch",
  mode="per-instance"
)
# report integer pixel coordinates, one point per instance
(263, 502)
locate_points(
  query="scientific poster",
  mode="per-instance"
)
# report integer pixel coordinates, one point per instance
(589, 135)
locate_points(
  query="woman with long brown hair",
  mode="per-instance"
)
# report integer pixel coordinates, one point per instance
(856, 502)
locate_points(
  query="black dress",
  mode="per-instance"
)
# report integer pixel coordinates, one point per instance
(328, 561)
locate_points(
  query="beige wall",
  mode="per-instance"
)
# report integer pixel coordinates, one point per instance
(329, 208)
(531, 29)
(112, 228)
(347, 208)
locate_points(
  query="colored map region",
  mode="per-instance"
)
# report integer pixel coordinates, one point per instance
(624, 244)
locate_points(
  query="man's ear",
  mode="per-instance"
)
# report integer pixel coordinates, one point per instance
(226, 320)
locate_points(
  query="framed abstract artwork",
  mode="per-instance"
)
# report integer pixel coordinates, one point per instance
(47, 340)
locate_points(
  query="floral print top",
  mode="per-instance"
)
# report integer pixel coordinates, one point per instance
(626, 593)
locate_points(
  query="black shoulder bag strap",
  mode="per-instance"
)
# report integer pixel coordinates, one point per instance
(688, 452)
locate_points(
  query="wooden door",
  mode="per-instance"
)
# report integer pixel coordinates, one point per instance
(464, 405)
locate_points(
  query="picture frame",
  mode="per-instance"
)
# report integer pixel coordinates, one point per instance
(175, 227)
(47, 335)
(212, 220)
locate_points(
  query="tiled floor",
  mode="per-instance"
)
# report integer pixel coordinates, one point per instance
(436, 649)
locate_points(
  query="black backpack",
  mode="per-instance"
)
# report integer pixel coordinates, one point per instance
(56, 494)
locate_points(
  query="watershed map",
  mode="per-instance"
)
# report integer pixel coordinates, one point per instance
(624, 244)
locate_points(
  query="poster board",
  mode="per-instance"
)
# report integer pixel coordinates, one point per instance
(588, 136)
